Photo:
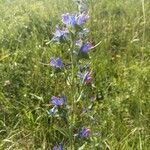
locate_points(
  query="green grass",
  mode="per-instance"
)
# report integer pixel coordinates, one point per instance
(121, 66)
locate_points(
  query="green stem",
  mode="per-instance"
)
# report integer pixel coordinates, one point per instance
(72, 84)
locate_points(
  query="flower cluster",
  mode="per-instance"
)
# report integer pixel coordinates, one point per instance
(72, 33)
(74, 20)
(56, 102)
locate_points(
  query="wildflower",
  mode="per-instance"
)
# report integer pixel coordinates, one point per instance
(56, 63)
(73, 20)
(59, 35)
(57, 101)
(84, 133)
(68, 19)
(85, 48)
(81, 19)
(60, 147)
(87, 78)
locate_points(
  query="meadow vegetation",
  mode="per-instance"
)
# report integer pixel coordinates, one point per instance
(119, 117)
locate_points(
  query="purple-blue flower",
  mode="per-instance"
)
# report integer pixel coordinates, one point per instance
(59, 34)
(87, 77)
(85, 47)
(68, 19)
(73, 20)
(84, 133)
(56, 63)
(81, 19)
(55, 101)
(60, 147)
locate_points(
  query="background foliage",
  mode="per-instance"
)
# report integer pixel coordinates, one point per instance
(121, 65)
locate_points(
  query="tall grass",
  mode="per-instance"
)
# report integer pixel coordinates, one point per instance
(121, 66)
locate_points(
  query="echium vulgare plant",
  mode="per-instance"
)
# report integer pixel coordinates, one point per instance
(68, 108)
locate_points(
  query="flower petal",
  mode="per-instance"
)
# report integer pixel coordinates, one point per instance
(82, 18)
(84, 133)
(69, 19)
(56, 63)
(57, 101)
(85, 47)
